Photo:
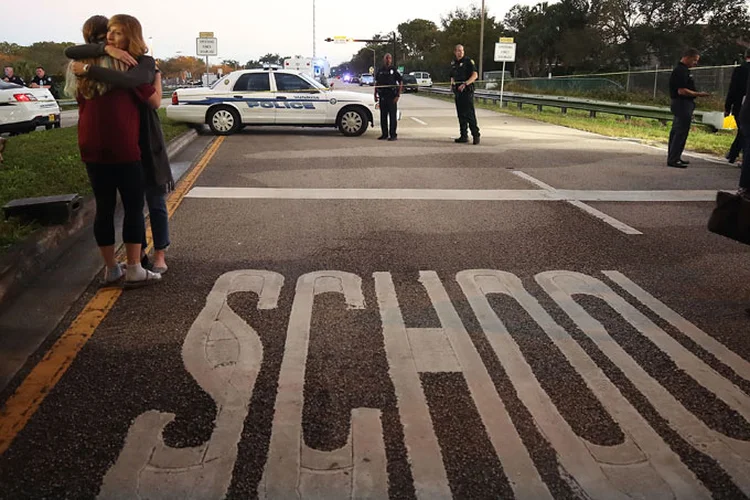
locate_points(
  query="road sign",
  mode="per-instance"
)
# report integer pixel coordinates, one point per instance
(400, 69)
(206, 46)
(210, 34)
(340, 39)
(505, 52)
(506, 39)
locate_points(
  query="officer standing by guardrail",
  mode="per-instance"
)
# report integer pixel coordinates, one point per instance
(388, 87)
(463, 76)
(683, 93)
(733, 105)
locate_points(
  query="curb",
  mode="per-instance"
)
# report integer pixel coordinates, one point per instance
(27, 259)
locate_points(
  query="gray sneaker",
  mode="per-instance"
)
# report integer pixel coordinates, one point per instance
(151, 279)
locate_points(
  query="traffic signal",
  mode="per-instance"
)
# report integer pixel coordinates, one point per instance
(329, 39)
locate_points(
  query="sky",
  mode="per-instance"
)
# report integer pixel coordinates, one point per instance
(244, 29)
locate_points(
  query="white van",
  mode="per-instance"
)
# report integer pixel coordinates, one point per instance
(423, 78)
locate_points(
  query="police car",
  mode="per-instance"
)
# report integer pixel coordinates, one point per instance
(272, 97)
(23, 109)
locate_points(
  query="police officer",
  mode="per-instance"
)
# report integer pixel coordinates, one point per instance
(12, 78)
(42, 80)
(683, 92)
(388, 87)
(463, 76)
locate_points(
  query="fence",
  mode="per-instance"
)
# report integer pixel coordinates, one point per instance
(714, 119)
(640, 85)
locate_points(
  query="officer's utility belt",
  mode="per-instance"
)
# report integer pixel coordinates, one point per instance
(468, 88)
(388, 92)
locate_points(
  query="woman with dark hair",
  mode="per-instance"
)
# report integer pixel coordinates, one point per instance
(108, 139)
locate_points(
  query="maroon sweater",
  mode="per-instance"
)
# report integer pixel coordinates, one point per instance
(108, 125)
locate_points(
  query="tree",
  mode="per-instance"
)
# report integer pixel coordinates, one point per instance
(419, 37)
(272, 59)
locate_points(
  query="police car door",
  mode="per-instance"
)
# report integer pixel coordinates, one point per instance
(298, 101)
(253, 97)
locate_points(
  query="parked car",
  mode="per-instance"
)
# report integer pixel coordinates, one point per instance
(423, 78)
(366, 79)
(272, 97)
(23, 109)
(410, 83)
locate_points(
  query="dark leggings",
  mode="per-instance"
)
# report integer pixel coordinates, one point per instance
(106, 181)
(745, 174)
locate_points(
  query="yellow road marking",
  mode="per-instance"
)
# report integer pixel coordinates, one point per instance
(27, 398)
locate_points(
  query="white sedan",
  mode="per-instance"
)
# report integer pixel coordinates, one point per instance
(272, 97)
(23, 109)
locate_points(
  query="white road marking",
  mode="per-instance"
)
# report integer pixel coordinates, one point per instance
(620, 226)
(545, 194)
(422, 447)
(737, 363)
(418, 120)
(513, 455)
(533, 180)
(224, 354)
(294, 470)
(732, 454)
(639, 196)
(602, 471)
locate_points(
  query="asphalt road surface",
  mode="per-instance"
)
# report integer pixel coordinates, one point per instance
(543, 315)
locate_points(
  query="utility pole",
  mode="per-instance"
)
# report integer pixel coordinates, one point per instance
(313, 29)
(481, 42)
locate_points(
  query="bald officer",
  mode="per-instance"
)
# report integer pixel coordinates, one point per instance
(463, 76)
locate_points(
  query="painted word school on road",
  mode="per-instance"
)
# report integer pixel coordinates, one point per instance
(224, 354)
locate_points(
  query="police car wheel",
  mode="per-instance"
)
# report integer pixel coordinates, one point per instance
(352, 122)
(224, 120)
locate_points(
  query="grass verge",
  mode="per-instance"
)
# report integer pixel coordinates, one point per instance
(701, 139)
(45, 163)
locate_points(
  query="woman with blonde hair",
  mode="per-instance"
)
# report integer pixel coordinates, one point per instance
(108, 139)
(158, 172)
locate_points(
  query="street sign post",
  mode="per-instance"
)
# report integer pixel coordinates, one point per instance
(206, 46)
(505, 51)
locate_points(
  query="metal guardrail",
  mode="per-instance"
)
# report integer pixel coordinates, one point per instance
(713, 119)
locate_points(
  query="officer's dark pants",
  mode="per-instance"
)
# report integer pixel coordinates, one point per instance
(467, 118)
(739, 140)
(388, 115)
(745, 174)
(683, 115)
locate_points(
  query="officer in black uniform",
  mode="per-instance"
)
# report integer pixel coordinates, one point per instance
(42, 80)
(12, 78)
(463, 76)
(683, 93)
(388, 87)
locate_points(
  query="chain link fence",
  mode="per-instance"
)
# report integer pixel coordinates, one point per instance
(645, 85)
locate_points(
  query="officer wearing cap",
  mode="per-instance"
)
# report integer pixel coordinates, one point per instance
(463, 76)
(388, 86)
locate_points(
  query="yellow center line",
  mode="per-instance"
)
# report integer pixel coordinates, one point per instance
(27, 398)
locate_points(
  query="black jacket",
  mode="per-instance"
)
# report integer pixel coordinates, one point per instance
(156, 167)
(737, 89)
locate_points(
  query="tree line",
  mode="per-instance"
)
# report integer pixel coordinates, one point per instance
(564, 38)
(572, 37)
(50, 55)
